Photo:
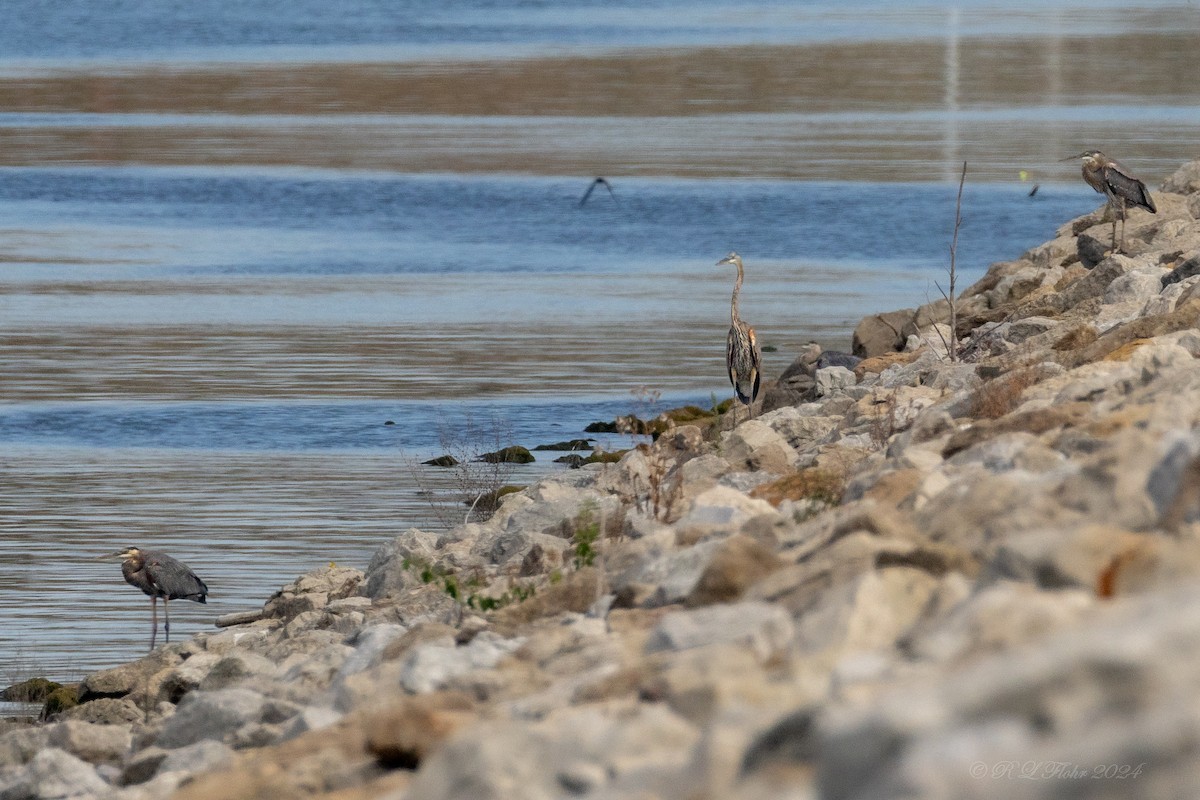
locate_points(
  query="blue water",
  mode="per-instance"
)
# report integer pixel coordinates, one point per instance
(410, 426)
(253, 30)
(287, 222)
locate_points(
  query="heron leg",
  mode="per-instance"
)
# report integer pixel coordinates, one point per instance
(153, 620)
(167, 622)
(1123, 206)
(1113, 247)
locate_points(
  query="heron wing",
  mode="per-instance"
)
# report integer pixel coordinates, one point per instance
(742, 358)
(591, 188)
(173, 579)
(730, 361)
(755, 363)
(1123, 184)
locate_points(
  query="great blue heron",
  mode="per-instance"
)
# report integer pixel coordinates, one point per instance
(742, 355)
(159, 575)
(592, 187)
(1122, 188)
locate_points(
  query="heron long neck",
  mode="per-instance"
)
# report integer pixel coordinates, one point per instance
(737, 289)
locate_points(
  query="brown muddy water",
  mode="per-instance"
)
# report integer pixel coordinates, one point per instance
(233, 248)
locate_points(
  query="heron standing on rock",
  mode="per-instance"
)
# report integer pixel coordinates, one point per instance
(1122, 188)
(742, 355)
(159, 575)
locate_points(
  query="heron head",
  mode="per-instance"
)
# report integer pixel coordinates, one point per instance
(732, 258)
(126, 553)
(1088, 156)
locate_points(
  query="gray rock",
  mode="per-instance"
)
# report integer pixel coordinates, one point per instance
(198, 757)
(210, 715)
(880, 334)
(53, 773)
(754, 445)
(765, 629)
(1188, 269)
(999, 616)
(429, 666)
(311, 718)
(721, 511)
(236, 667)
(142, 765)
(164, 785)
(106, 711)
(804, 432)
(93, 743)
(391, 568)
(871, 611)
(1111, 692)
(369, 646)
(120, 681)
(1136, 285)
(833, 380)
(660, 576)
(185, 677)
(20, 745)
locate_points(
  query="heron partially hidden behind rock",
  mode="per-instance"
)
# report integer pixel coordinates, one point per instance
(743, 357)
(1122, 188)
(159, 575)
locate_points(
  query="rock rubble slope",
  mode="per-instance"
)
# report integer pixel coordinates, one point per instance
(913, 578)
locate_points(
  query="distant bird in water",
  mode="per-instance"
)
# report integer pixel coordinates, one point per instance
(1024, 177)
(1122, 188)
(159, 575)
(743, 357)
(592, 188)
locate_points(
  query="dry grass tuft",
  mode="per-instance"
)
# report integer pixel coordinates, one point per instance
(814, 483)
(1076, 338)
(1000, 396)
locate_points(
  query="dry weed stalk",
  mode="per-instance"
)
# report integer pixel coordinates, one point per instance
(885, 421)
(952, 345)
(471, 481)
(663, 487)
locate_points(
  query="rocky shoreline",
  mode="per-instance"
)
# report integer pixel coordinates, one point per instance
(912, 577)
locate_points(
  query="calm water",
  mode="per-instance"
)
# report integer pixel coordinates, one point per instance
(238, 239)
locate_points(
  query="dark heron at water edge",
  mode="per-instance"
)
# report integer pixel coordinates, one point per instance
(159, 575)
(592, 188)
(1113, 180)
(743, 358)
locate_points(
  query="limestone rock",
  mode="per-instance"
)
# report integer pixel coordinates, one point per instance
(53, 773)
(19, 745)
(755, 445)
(880, 334)
(430, 666)
(834, 379)
(765, 630)
(203, 755)
(210, 715)
(93, 743)
(390, 570)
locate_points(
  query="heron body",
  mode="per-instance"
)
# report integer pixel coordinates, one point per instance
(1120, 186)
(159, 575)
(743, 358)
